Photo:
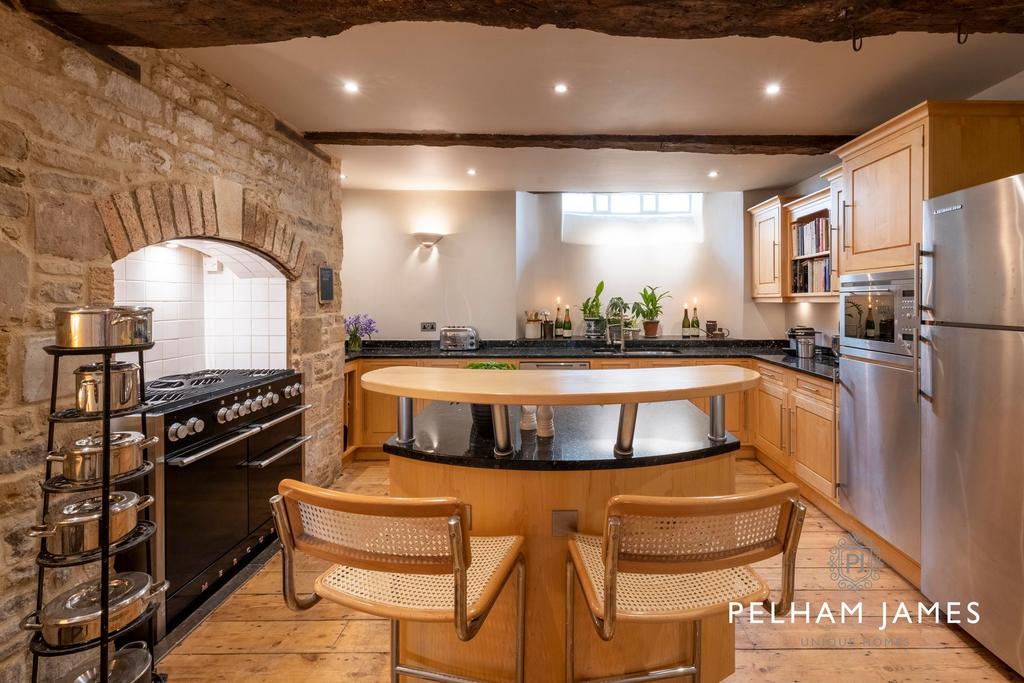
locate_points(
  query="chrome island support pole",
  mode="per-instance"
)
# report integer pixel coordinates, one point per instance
(627, 426)
(716, 415)
(405, 435)
(502, 431)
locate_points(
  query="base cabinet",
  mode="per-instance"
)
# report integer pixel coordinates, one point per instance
(770, 436)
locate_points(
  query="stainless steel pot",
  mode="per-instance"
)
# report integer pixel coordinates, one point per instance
(74, 528)
(124, 387)
(83, 460)
(131, 664)
(80, 327)
(73, 617)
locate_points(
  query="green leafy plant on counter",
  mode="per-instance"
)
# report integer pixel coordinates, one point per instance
(650, 308)
(591, 306)
(490, 365)
(617, 309)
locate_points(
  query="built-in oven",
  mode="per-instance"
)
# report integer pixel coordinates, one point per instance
(878, 312)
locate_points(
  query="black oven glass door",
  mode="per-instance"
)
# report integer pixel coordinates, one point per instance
(869, 316)
(274, 454)
(206, 509)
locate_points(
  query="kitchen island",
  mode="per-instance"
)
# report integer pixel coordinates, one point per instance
(544, 489)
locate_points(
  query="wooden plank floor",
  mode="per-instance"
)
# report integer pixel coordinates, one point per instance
(254, 638)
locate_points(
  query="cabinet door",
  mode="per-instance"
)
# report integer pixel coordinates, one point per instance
(813, 445)
(735, 403)
(617, 364)
(767, 256)
(379, 411)
(772, 415)
(884, 188)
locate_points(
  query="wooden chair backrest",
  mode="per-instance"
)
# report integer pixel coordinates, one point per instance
(675, 535)
(406, 535)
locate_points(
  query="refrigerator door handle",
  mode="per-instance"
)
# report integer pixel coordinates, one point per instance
(919, 393)
(919, 304)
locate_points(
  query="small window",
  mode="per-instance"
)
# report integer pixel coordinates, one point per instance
(632, 218)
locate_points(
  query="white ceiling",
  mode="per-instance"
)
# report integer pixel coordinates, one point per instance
(465, 78)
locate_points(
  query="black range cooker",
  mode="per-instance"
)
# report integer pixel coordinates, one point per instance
(227, 438)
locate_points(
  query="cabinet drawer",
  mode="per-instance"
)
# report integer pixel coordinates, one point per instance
(812, 387)
(771, 374)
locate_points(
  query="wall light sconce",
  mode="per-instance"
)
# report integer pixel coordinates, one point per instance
(427, 240)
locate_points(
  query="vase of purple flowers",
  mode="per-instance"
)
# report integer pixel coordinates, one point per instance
(357, 327)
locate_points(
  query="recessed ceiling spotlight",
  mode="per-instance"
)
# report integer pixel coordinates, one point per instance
(470, 171)
(343, 176)
(171, 245)
(351, 87)
(561, 88)
(772, 89)
(712, 174)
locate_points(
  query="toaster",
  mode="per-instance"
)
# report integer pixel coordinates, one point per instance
(459, 338)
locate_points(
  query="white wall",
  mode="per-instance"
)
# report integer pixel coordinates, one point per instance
(468, 278)
(171, 282)
(713, 271)
(1010, 89)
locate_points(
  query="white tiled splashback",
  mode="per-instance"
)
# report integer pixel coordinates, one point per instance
(203, 319)
(245, 321)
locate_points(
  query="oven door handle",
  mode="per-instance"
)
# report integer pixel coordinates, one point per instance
(281, 453)
(186, 461)
(281, 418)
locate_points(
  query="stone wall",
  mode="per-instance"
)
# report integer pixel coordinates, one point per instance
(73, 133)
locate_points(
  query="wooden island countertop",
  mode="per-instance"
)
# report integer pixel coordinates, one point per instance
(560, 387)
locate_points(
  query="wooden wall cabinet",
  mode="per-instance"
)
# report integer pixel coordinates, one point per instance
(930, 150)
(766, 249)
(834, 178)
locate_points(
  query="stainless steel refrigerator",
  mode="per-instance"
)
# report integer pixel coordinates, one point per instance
(972, 408)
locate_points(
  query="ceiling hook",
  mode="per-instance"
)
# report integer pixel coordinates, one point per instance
(961, 37)
(858, 42)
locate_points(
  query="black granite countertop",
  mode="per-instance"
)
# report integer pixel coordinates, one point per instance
(668, 432)
(823, 365)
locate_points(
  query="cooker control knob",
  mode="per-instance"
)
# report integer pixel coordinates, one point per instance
(195, 425)
(275, 397)
(267, 401)
(172, 432)
(177, 431)
(224, 415)
(236, 410)
(288, 391)
(297, 389)
(249, 406)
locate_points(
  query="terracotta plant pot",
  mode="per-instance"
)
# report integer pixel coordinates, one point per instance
(651, 328)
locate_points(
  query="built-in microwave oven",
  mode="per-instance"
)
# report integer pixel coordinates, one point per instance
(878, 311)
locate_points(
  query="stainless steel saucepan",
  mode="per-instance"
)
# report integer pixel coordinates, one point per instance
(80, 327)
(73, 617)
(74, 528)
(131, 664)
(124, 387)
(83, 460)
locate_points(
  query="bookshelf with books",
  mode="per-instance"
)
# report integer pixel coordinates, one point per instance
(808, 234)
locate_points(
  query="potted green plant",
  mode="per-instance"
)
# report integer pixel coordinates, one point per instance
(483, 421)
(649, 309)
(591, 310)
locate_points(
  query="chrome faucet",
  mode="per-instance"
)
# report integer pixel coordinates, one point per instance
(622, 333)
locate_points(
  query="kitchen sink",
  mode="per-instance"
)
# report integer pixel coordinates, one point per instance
(638, 353)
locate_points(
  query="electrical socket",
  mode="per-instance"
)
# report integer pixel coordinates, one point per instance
(428, 327)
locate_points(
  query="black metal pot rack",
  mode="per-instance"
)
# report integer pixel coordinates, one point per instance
(141, 534)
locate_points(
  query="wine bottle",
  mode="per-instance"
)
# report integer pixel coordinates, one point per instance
(558, 322)
(870, 332)
(567, 325)
(695, 323)
(686, 322)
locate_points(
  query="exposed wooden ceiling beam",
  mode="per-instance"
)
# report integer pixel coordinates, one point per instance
(700, 144)
(199, 23)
